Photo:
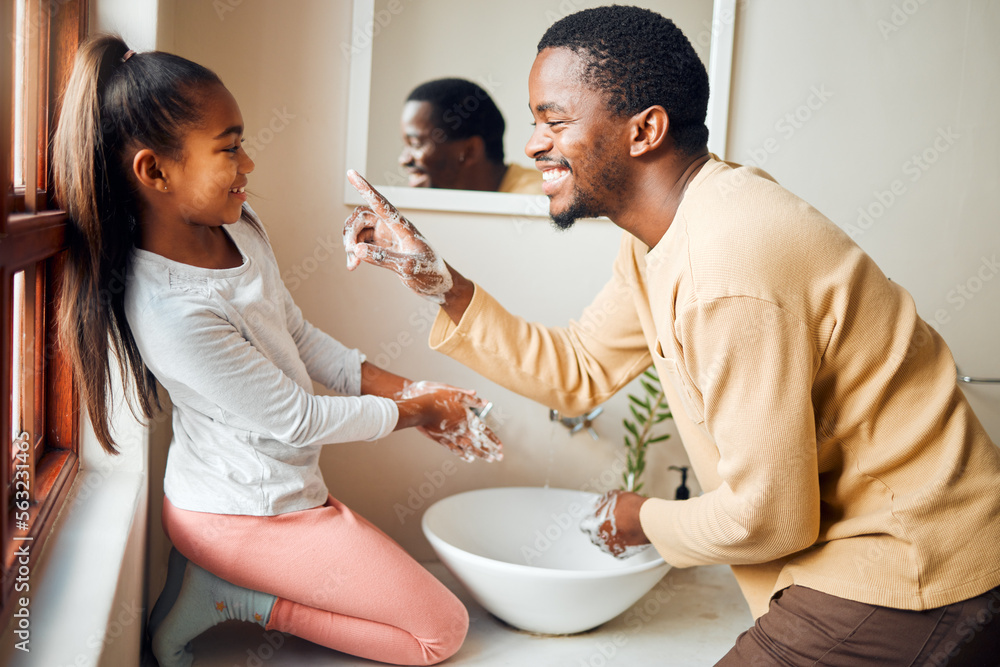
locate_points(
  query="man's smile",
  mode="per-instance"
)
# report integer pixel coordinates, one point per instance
(418, 178)
(553, 173)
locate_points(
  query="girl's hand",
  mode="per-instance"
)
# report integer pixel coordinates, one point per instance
(614, 524)
(379, 235)
(451, 421)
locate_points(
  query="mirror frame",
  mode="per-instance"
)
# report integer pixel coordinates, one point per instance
(365, 29)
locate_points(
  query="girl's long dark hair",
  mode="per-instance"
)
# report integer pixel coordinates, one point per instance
(113, 107)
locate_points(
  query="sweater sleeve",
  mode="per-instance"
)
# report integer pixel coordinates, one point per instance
(216, 366)
(750, 364)
(570, 369)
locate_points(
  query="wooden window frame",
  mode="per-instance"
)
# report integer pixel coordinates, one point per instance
(33, 237)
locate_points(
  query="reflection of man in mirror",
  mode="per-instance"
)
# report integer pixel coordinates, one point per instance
(453, 139)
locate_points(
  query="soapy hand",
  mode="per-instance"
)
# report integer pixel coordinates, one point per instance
(379, 235)
(457, 427)
(614, 524)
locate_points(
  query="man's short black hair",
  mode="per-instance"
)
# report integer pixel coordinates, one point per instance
(639, 59)
(462, 109)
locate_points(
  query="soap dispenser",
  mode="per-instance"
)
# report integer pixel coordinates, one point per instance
(682, 492)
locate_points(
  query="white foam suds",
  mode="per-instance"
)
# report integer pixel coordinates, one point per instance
(394, 244)
(469, 439)
(604, 512)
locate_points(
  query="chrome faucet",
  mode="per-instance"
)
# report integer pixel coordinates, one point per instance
(577, 424)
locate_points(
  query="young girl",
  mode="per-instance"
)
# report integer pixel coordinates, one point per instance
(172, 275)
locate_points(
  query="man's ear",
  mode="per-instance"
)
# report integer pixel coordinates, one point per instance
(473, 151)
(147, 168)
(649, 130)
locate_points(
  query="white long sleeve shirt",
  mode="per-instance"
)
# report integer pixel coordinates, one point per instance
(237, 358)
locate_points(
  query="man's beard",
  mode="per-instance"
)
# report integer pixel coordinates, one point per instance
(585, 205)
(582, 206)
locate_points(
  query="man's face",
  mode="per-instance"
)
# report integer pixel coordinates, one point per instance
(578, 144)
(430, 158)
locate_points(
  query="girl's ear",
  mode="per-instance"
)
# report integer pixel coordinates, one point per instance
(648, 130)
(146, 168)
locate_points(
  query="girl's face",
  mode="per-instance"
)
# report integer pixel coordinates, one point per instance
(207, 185)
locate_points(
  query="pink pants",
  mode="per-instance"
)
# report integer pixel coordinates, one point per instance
(339, 580)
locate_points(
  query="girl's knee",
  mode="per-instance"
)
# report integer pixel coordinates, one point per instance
(450, 635)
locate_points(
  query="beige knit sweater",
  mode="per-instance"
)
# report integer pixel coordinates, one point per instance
(820, 413)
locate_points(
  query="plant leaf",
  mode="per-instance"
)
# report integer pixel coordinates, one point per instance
(639, 418)
(643, 404)
(648, 410)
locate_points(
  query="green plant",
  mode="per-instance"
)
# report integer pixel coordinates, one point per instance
(648, 412)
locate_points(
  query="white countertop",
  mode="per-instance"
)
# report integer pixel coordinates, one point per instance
(690, 619)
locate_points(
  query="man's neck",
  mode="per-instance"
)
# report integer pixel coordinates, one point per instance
(488, 177)
(656, 195)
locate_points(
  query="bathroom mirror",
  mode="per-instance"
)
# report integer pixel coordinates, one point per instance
(398, 44)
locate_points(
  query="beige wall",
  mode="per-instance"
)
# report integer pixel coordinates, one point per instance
(284, 64)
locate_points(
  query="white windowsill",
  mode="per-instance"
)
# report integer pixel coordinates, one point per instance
(87, 586)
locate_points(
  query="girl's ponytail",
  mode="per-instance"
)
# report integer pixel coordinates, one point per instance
(112, 107)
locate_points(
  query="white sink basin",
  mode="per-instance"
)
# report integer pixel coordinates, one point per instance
(520, 553)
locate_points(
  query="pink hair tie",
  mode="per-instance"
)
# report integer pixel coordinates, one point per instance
(128, 55)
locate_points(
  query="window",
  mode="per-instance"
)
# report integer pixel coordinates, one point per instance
(38, 404)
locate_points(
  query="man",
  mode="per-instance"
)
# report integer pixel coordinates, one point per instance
(453, 139)
(847, 481)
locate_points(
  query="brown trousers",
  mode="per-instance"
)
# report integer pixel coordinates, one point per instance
(805, 627)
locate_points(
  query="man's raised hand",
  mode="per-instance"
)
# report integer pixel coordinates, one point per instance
(379, 235)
